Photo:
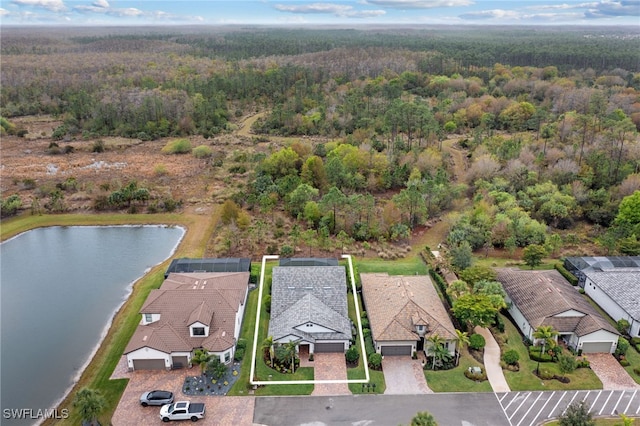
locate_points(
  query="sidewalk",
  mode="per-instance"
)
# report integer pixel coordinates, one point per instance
(492, 361)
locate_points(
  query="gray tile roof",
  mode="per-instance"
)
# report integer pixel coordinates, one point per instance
(622, 286)
(542, 295)
(304, 294)
(396, 304)
(212, 298)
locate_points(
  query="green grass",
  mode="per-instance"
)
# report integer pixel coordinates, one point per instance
(525, 379)
(634, 359)
(600, 422)
(454, 380)
(242, 385)
(408, 266)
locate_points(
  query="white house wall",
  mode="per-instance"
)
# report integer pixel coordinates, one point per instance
(148, 353)
(599, 336)
(614, 310)
(240, 316)
(570, 313)
(520, 320)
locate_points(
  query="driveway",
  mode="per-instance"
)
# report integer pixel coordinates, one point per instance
(404, 376)
(330, 366)
(610, 372)
(221, 410)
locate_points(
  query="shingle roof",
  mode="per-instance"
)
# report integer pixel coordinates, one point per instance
(396, 304)
(622, 286)
(210, 298)
(316, 294)
(542, 295)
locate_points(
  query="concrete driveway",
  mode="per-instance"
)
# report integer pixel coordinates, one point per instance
(221, 410)
(610, 372)
(404, 376)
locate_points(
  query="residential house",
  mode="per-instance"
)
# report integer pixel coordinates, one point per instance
(404, 311)
(309, 305)
(579, 266)
(189, 311)
(545, 298)
(186, 264)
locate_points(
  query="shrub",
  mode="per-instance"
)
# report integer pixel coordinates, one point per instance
(375, 361)
(535, 355)
(637, 371)
(635, 341)
(623, 346)
(584, 363)
(511, 357)
(267, 303)
(622, 326)
(499, 324)
(477, 377)
(178, 146)
(202, 151)
(352, 355)
(98, 146)
(566, 274)
(567, 364)
(545, 374)
(160, 170)
(476, 341)
(239, 354)
(368, 346)
(365, 323)
(10, 205)
(366, 332)
(624, 362)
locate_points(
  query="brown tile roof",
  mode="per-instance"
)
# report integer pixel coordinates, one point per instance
(396, 304)
(210, 298)
(542, 295)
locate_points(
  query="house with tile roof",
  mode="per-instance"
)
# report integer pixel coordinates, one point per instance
(545, 298)
(309, 305)
(189, 311)
(617, 292)
(403, 312)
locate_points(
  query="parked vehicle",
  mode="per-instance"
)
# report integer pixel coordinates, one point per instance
(182, 410)
(156, 397)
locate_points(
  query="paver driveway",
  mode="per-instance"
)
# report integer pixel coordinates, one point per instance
(330, 366)
(221, 410)
(403, 375)
(610, 372)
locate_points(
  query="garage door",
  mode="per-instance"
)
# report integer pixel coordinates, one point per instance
(395, 350)
(594, 347)
(179, 361)
(328, 347)
(148, 364)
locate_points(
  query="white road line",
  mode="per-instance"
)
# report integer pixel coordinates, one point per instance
(630, 401)
(557, 403)
(533, 422)
(503, 397)
(523, 401)
(530, 408)
(503, 410)
(574, 397)
(595, 400)
(617, 402)
(605, 403)
(514, 398)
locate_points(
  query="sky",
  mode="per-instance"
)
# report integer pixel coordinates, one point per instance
(308, 13)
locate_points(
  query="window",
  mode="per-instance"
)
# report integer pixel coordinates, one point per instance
(198, 331)
(227, 357)
(420, 327)
(148, 318)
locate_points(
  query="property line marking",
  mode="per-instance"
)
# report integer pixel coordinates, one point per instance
(595, 400)
(557, 403)
(503, 409)
(523, 401)
(605, 403)
(533, 422)
(570, 402)
(617, 402)
(631, 400)
(530, 408)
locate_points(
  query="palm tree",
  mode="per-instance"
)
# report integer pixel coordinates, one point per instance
(423, 418)
(436, 342)
(290, 348)
(547, 334)
(201, 357)
(462, 339)
(90, 403)
(267, 346)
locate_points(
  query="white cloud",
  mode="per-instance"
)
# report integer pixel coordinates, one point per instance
(339, 10)
(420, 4)
(101, 3)
(608, 9)
(3, 12)
(52, 5)
(492, 14)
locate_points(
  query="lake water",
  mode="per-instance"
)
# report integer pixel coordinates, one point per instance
(59, 290)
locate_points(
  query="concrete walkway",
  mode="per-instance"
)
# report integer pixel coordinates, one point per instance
(492, 361)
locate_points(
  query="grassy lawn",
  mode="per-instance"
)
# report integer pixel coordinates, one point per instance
(97, 373)
(410, 265)
(616, 421)
(582, 378)
(454, 380)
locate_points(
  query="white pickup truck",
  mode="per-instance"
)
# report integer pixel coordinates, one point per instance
(182, 410)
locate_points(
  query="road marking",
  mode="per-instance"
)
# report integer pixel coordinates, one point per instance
(533, 422)
(595, 400)
(523, 401)
(503, 397)
(503, 409)
(514, 399)
(525, 414)
(565, 408)
(557, 403)
(630, 401)
(605, 403)
(618, 402)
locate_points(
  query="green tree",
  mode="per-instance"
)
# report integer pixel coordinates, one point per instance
(435, 342)
(567, 364)
(474, 309)
(477, 273)
(89, 403)
(533, 255)
(461, 255)
(314, 173)
(201, 357)
(267, 349)
(333, 200)
(629, 211)
(493, 290)
(462, 339)
(291, 349)
(215, 368)
(297, 200)
(423, 418)
(577, 414)
(547, 335)
(457, 288)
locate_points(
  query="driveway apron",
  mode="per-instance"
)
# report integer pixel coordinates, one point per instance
(404, 376)
(330, 366)
(610, 372)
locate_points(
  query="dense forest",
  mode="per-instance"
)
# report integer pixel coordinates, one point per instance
(520, 136)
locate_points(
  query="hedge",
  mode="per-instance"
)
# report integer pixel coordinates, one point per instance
(566, 274)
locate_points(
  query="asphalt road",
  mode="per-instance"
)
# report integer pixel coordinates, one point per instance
(453, 409)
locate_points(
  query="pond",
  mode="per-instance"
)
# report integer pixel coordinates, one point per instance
(59, 290)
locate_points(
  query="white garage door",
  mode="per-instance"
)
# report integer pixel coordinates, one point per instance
(148, 364)
(595, 347)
